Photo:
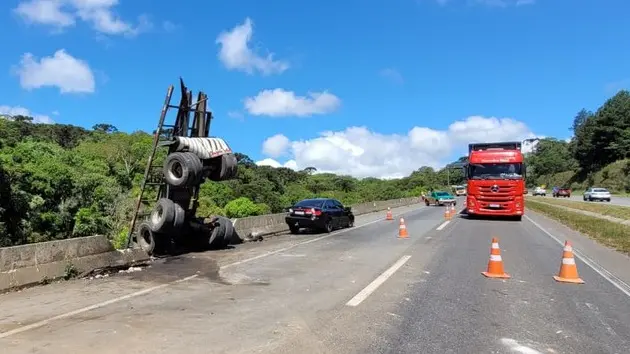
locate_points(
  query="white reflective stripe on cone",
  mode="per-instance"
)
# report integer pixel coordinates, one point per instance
(568, 248)
(495, 245)
(570, 261)
(495, 258)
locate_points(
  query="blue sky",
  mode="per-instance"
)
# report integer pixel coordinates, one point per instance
(394, 83)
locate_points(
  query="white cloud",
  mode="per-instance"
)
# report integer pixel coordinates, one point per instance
(393, 75)
(236, 54)
(276, 145)
(69, 74)
(360, 152)
(61, 14)
(281, 103)
(21, 111)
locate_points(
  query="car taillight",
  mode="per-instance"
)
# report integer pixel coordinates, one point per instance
(316, 212)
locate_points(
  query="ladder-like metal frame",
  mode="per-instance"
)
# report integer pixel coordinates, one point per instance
(200, 128)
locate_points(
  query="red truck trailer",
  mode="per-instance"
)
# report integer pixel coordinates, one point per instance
(496, 179)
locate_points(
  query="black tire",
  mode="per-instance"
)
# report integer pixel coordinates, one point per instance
(217, 236)
(224, 167)
(328, 227)
(182, 169)
(162, 215)
(146, 238)
(229, 230)
(294, 229)
(351, 222)
(180, 217)
(427, 202)
(518, 218)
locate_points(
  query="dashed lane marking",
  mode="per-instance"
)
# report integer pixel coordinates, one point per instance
(443, 225)
(363, 294)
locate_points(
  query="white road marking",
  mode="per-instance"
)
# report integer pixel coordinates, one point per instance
(443, 225)
(161, 286)
(91, 307)
(363, 294)
(618, 283)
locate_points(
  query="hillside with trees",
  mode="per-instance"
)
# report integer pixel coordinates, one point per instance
(598, 154)
(60, 181)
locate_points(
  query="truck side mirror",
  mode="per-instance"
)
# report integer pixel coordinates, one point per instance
(524, 170)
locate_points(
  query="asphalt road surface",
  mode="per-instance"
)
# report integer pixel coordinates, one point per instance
(360, 290)
(615, 200)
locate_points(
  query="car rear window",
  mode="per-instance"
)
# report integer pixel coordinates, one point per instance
(600, 190)
(310, 203)
(442, 194)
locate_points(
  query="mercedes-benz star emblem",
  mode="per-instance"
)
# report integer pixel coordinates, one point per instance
(494, 188)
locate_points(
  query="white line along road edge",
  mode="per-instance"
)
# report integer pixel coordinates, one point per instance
(443, 225)
(363, 294)
(618, 283)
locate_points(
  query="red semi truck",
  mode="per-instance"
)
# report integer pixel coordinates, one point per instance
(496, 180)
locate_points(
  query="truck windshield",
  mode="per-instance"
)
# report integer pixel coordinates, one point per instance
(495, 170)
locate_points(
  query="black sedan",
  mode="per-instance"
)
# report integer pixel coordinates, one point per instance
(324, 214)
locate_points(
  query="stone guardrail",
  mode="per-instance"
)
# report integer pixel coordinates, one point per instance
(35, 263)
(274, 223)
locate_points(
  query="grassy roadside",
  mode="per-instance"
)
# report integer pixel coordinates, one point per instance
(606, 232)
(616, 211)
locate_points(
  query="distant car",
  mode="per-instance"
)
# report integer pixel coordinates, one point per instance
(324, 214)
(440, 198)
(601, 194)
(525, 191)
(539, 191)
(562, 192)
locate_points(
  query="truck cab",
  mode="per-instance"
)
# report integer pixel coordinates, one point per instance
(496, 179)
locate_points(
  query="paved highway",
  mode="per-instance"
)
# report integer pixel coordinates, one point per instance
(359, 290)
(615, 200)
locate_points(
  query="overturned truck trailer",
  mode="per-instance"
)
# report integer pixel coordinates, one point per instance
(183, 156)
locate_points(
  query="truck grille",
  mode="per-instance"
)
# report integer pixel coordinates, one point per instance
(504, 194)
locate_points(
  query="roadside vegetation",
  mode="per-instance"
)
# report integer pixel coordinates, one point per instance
(60, 181)
(615, 211)
(597, 155)
(608, 233)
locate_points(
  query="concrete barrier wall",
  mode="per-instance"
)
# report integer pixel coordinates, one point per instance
(274, 223)
(33, 263)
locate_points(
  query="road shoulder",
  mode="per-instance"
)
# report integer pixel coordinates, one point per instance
(613, 264)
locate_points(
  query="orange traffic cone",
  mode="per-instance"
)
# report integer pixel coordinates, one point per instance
(453, 212)
(447, 213)
(402, 229)
(389, 215)
(495, 264)
(568, 270)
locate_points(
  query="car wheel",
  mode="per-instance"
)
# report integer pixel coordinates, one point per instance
(294, 229)
(329, 226)
(427, 202)
(608, 200)
(351, 222)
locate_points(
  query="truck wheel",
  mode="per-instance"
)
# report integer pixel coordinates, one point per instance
(224, 167)
(182, 169)
(163, 215)
(180, 217)
(518, 218)
(217, 236)
(149, 241)
(229, 230)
